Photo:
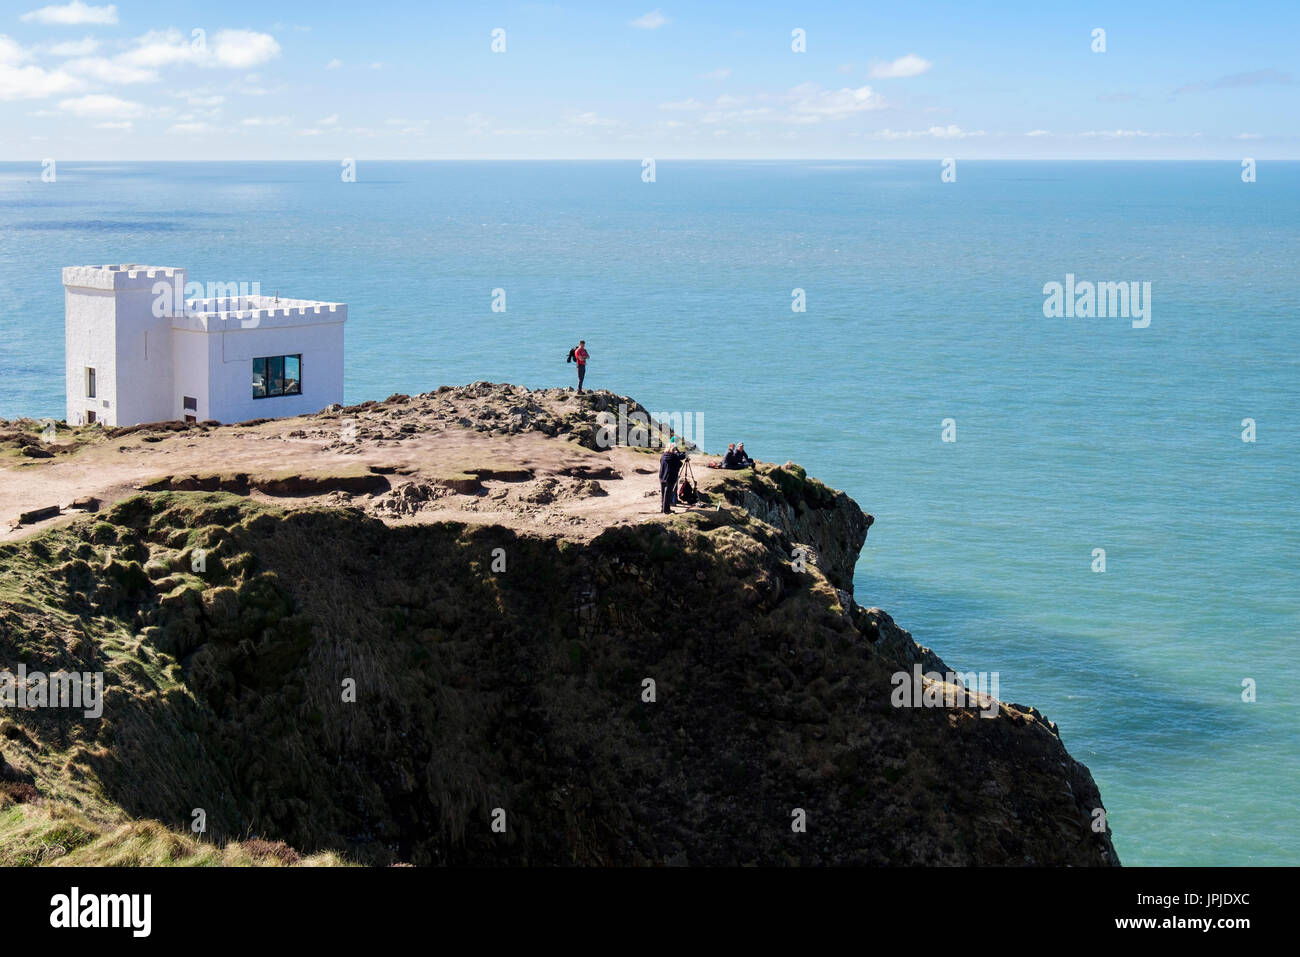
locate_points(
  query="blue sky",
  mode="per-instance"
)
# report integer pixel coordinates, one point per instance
(419, 80)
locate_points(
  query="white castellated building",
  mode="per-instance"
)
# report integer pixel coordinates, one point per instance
(138, 351)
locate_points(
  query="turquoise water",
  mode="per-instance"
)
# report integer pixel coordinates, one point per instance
(924, 303)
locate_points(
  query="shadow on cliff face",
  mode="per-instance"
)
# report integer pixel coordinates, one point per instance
(331, 682)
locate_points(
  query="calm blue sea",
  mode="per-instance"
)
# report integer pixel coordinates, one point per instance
(924, 303)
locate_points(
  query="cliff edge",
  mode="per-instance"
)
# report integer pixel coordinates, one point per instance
(454, 628)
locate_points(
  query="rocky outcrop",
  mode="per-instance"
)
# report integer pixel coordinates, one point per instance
(808, 512)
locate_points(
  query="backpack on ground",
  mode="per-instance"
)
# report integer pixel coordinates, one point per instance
(687, 494)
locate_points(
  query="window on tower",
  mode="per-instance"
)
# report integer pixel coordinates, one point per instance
(277, 375)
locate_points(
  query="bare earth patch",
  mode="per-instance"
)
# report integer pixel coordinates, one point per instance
(479, 454)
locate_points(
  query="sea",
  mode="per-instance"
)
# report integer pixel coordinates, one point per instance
(1103, 510)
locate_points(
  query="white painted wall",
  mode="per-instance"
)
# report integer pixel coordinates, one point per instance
(109, 325)
(90, 337)
(230, 369)
(144, 359)
(190, 373)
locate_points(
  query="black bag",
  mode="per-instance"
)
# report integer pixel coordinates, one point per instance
(571, 352)
(687, 494)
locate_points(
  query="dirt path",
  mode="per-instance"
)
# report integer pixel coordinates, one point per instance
(427, 459)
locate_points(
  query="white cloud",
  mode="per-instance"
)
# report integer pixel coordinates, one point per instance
(688, 104)
(72, 14)
(234, 49)
(812, 103)
(331, 120)
(249, 86)
(949, 132)
(160, 48)
(30, 82)
(649, 21)
(267, 121)
(101, 104)
(719, 74)
(115, 125)
(334, 64)
(1248, 136)
(240, 49)
(83, 47)
(192, 128)
(1117, 134)
(590, 119)
(1038, 133)
(904, 66)
(11, 51)
(110, 71)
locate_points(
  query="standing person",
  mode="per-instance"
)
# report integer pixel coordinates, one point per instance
(670, 464)
(580, 357)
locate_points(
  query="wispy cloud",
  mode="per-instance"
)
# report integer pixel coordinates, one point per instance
(20, 80)
(649, 21)
(904, 66)
(949, 132)
(83, 47)
(804, 104)
(109, 71)
(1253, 78)
(232, 49)
(814, 103)
(101, 105)
(72, 14)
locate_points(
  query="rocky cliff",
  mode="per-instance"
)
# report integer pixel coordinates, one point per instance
(454, 628)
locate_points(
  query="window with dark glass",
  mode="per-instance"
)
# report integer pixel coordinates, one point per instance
(90, 383)
(277, 375)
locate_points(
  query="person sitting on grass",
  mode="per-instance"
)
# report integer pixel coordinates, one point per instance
(728, 460)
(743, 461)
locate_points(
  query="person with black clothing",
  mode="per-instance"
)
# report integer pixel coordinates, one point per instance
(742, 460)
(670, 465)
(728, 460)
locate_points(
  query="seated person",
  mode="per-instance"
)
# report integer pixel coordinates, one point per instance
(728, 460)
(743, 461)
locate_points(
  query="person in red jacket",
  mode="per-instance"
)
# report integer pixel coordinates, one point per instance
(580, 357)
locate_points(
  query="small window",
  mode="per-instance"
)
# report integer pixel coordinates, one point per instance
(277, 375)
(191, 403)
(90, 383)
(191, 418)
(90, 417)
